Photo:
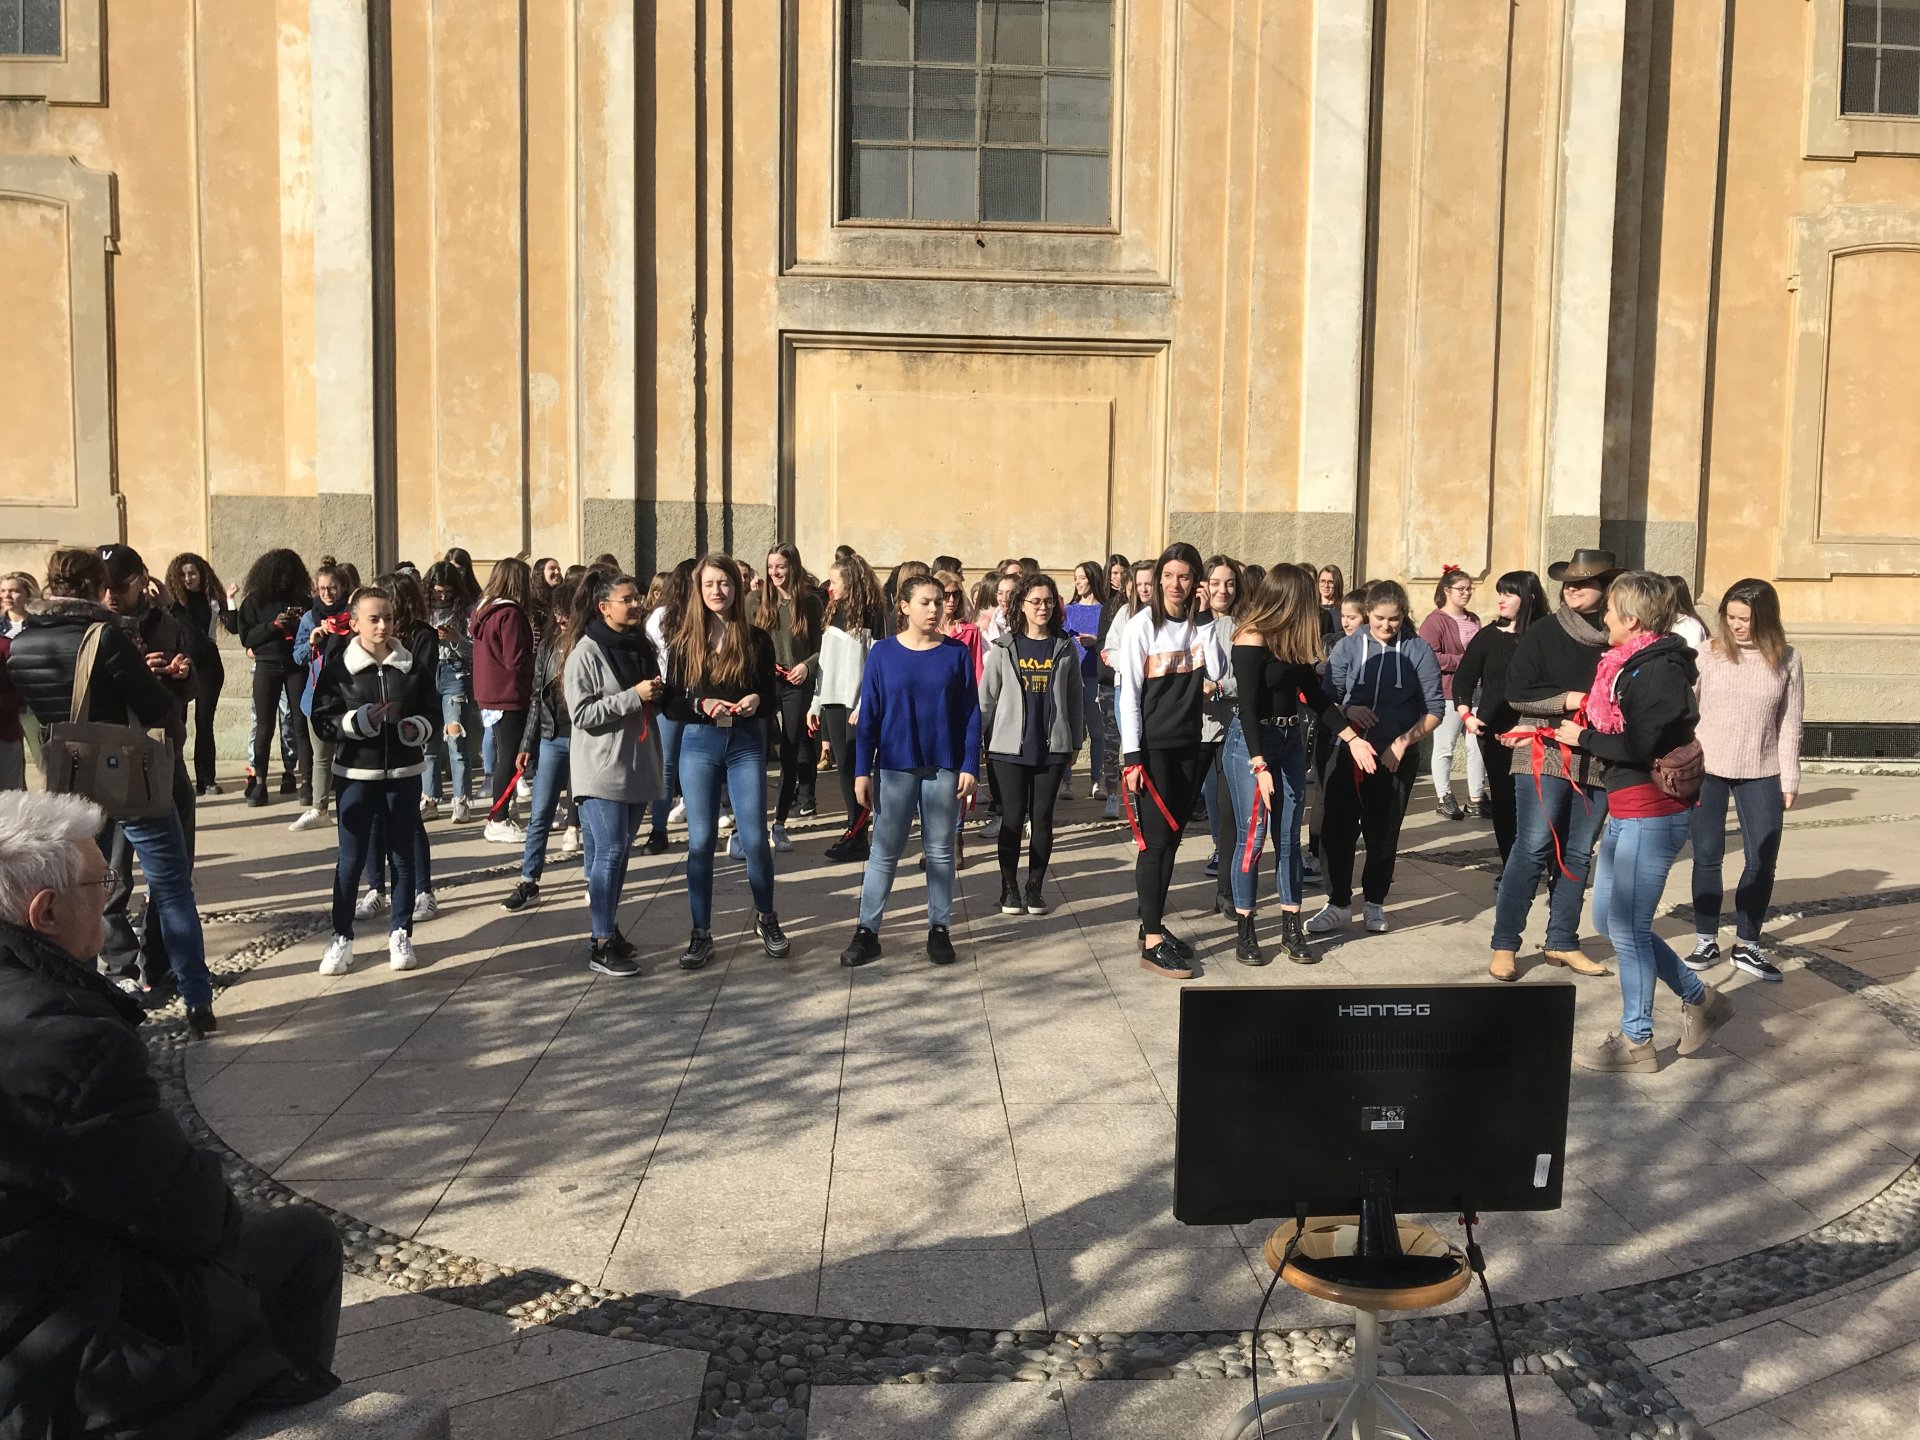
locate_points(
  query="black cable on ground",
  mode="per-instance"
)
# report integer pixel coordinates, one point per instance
(1253, 1368)
(1477, 1261)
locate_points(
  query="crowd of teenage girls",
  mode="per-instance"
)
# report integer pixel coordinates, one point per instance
(1287, 714)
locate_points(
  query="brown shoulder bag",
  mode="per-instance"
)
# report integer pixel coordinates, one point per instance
(124, 769)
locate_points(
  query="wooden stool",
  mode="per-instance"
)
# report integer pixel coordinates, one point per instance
(1355, 1409)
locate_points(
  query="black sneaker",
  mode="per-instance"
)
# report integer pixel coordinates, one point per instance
(863, 950)
(1036, 895)
(257, 796)
(603, 961)
(846, 850)
(1706, 955)
(772, 938)
(200, 1020)
(1450, 807)
(806, 806)
(1749, 961)
(1164, 960)
(699, 950)
(656, 843)
(621, 946)
(1172, 941)
(289, 783)
(1010, 901)
(526, 893)
(1213, 865)
(940, 945)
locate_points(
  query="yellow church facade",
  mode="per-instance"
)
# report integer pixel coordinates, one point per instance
(1385, 283)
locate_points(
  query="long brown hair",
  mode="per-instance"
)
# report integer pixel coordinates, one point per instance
(176, 581)
(512, 579)
(1285, 614)
(409, 601)
(859, 600)
(800, 590)
(700, 663)
(1205, 579)
(1769, 635)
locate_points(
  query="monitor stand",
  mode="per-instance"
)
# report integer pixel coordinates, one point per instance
(1377, 1261)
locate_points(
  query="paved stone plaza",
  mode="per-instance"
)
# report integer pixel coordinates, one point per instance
(697, 1204)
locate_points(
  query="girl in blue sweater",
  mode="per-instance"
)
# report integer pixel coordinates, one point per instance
(916, 750)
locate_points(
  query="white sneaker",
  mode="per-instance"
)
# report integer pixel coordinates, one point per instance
(725, 823)
(1377, 919)
(504, 832)
(678, 814)
(339, 957)
(400, 954)
(990, 830)
(570, 841)
(1098, 792)
(524, 789)
(429, 807)
(1112, 810)
(1334, 917)
(778, 838)
(462, 810)
(426, 905)
(310, 819)
(373, 903)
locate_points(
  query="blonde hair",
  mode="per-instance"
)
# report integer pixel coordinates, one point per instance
(1647, 597)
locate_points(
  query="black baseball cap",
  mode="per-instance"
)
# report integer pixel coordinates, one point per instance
(123, 563)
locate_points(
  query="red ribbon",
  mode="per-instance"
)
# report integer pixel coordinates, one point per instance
(1126, 799)
(1248, 850)
(506, 795)
(1537, 738)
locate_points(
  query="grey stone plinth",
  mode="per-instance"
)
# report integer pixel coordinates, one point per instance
(350, 1414)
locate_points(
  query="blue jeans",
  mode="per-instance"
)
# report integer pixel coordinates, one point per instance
(549, 779)
(455, 709)
(1635, 856)
(1762, 815)
(607, 828)
(670, 731)
(733, 758)
(382, 814)
(1286, 751)
(898, 795)
(161, 847)
(1578, 827)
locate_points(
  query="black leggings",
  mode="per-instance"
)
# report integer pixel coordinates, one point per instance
(1175, 775)
(1026, 792)
(508, 731)
(208, 681)
(268, 686)
(799, 757)
(1375, 808)
(1499, 763)
(833, 724)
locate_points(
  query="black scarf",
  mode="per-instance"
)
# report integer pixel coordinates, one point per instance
(629, 652)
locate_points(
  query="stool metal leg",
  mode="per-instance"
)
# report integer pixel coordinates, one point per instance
(1433, 1399)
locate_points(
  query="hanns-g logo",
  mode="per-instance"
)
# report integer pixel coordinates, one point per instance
(1368, 1012)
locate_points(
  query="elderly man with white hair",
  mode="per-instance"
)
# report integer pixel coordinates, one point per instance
(136, 1297)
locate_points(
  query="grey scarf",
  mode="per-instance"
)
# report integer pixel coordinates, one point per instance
(1585, 629)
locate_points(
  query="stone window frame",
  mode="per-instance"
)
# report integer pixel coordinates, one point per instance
(1831, 134)
(87, 197)
(77, 76)
(1804, 551)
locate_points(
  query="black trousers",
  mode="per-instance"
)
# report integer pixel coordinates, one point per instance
(1320, 751)
(1375, 809)
(139, 950)
(208, 682)
(268, 686)
(833, 723)
(508, 733)
(1499, 763)
(292, 1256)
(799, 756)
(1027, 792)
(1175, 775)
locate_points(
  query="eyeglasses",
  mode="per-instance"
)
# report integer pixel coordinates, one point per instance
(951, 594)
(1043, 601)
(106, 882)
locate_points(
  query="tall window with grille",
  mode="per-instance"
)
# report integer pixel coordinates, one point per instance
(1881, 71)
(30, 27)
(979, 111)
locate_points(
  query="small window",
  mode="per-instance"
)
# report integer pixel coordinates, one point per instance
(30, 27)
(969, 111)
(1880, 74)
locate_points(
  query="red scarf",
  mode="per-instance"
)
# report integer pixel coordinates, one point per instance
(1602, 709)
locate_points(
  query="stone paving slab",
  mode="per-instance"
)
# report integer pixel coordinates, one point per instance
(780, 1106)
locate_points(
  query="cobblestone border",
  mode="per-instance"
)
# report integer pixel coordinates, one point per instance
(763, 1366)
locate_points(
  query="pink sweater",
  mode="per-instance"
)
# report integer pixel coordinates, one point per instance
(1750, 716)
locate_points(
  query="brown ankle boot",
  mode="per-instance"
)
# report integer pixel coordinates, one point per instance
(1501, 967)
(1575, 961)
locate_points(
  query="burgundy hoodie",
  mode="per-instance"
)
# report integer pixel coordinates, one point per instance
(502, 657)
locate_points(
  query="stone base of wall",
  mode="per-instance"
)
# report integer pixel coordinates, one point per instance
(1269, 537)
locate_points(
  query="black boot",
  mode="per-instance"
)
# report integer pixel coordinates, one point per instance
(1248, 951)
(1293, 939)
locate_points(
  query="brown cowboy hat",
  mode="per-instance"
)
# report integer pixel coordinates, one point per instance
(1586, 565)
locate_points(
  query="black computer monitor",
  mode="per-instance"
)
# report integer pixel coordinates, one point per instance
(1323, 1100)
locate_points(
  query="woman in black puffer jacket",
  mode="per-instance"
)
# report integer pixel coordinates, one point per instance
(377, 703)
